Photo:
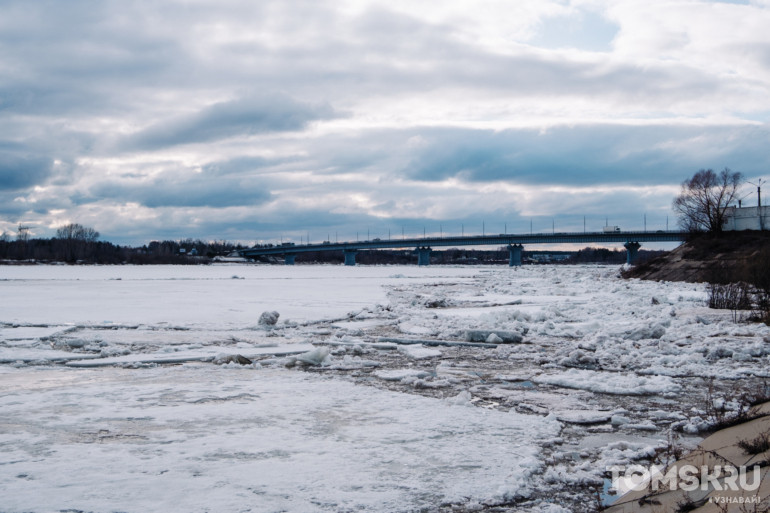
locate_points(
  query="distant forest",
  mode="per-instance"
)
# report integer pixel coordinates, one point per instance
(76, 244)
(83, 251)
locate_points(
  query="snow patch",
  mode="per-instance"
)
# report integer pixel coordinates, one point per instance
(418, 352)
(400, 374)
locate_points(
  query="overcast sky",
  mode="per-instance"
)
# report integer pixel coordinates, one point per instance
(260, 120)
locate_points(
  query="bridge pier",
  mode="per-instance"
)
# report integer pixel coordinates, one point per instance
(288, 259)
(350, 256)
(514, 254)
(632, 248)
(423, 255)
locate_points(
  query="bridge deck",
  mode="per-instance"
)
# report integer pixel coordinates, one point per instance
(476, 240)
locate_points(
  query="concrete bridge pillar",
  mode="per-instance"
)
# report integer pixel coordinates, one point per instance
(632, 248)
(350, 256)
(423, 255)
(514, 254)
(288, 259)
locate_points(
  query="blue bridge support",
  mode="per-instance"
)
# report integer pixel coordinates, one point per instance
(288, 258)
(514, 254)
(350, 256)
(423, 255)
(632, 248)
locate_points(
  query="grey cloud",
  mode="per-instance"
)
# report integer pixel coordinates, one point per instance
(20, 172)
(246, 226)
(181, 191)
(91, 59)
(404, 54)
(580, 155)
(84, 58)
(11, 210)
(240, 165)
(586, 155)
(243, 117)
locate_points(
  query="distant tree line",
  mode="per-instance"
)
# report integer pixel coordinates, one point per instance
(454, 256)
(75, 243)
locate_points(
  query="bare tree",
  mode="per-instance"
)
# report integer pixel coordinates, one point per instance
(704, 198)
(78, 232)
(74, 238)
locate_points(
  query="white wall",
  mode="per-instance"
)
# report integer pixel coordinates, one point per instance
(747, 218)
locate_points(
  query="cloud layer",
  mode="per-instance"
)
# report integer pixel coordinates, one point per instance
(246, 121)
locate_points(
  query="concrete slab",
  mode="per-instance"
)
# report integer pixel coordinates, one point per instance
(760, 409)
(725, 442)
(661, 502)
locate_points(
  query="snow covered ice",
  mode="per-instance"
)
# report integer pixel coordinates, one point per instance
(112, 401)
(192, 439)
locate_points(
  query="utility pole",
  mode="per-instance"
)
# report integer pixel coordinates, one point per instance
(23, 233)
(483, 229)
(462, 229)
(584, 224)
(645, 221)
(759, 203)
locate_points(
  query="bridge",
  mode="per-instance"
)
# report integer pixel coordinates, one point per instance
(515, 243)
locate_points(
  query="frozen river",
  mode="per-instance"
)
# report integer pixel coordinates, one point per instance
(113, 400)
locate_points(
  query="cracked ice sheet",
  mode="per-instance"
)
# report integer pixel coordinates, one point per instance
(610, 383)
(24, 334)
(169, 338)
(201, 438)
